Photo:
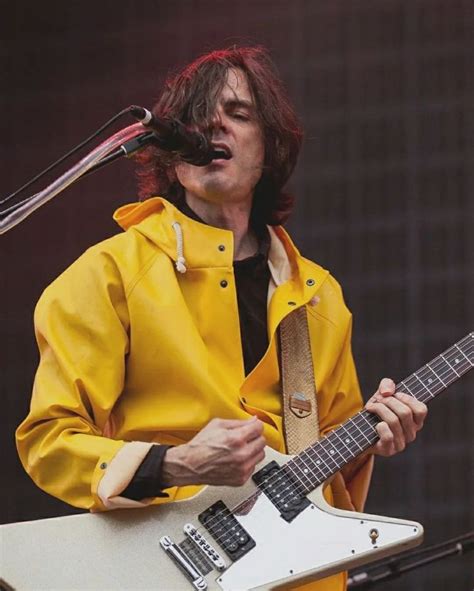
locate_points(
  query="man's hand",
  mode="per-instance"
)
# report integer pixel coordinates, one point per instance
(402, 417)
(224, 453)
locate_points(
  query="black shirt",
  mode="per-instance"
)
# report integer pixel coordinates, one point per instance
(252, 277)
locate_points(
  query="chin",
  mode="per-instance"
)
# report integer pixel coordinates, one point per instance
(218, 188)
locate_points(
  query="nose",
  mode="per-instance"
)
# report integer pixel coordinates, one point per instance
(218, 122)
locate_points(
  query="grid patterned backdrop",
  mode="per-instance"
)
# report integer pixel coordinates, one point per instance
(384, 184)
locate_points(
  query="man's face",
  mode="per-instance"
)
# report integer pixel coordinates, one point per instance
(237, 130)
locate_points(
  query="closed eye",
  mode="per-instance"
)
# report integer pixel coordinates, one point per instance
(240, 116)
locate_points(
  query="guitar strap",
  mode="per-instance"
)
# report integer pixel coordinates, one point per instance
(300, 409)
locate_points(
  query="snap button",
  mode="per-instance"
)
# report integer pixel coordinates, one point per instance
(221, 247)
(103, 466)
(309, 282)
(224, 283)
(292, 303)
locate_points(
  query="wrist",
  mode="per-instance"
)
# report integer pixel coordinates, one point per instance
(173, 469)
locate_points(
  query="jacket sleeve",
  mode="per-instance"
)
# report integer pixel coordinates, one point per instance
(350, 486)
(81, 325)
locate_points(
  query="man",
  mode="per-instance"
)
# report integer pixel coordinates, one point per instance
(159, 363)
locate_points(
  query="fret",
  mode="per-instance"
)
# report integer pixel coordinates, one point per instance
(451, 366)
(415, 375)
(460, 363)
(332, 450)
(335, 434)
(295, 474)
(366, 420)
(328, 456)
(317, 461)
(430, 381)
(307, 472)
(363, 434)
(325, 457)
(463, 354)
(320, 461)
(404, 388)
(318, 467)
(349, 439)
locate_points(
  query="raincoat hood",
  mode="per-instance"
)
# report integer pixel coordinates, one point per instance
(166, 226)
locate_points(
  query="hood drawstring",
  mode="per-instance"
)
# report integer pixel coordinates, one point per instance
(181, 261)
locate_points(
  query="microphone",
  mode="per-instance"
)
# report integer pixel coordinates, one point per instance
(173, 136)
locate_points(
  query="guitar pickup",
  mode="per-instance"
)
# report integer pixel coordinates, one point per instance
(183, 563)
(225, 529)
(282, 490)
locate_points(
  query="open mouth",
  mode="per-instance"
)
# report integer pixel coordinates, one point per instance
(221, 152)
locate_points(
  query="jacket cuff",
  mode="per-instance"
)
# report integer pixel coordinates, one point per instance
(118, 474)
(147, 480)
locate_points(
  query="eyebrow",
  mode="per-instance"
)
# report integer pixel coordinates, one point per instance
(239, 103)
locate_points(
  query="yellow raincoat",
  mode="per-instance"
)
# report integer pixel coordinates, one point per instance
(134, 352)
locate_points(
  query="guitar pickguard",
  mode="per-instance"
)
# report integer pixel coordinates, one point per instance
(318, 541)
(120, 550)
(282, 546)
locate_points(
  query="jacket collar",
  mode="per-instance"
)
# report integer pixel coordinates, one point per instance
(205, 246)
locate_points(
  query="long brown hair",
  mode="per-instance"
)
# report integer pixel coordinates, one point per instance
(191, 97)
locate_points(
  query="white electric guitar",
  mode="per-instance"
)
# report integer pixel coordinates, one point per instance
(276, 531)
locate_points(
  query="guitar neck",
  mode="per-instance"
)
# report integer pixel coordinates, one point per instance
(324, 458)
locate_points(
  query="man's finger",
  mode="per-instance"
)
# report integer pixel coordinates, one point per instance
(256, 446)
(405, 416)
(235, 423)
(251, 429)
(419, 409)
(387, 415)
(386, 387)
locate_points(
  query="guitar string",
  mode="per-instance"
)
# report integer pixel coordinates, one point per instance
(232, 534)
(442, 361)
(442, 364)
(333, 445)
(410, 390)
(334, 434)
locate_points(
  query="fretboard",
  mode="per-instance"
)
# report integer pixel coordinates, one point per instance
(324, 458)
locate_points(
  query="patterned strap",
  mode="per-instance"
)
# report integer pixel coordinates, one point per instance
(300, 409)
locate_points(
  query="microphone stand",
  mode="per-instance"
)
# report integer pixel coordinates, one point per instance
(122, 143)
(394, 567)
(168, 134)
(126, 149)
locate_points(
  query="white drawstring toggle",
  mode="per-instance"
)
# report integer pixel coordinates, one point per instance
(181, 261)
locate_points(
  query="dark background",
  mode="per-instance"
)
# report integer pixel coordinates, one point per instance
(384, 185)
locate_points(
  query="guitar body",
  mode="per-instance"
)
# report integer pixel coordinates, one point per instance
(121, 549)
(276, 531)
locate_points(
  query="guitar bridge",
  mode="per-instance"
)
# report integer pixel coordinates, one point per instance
(207, 549)
(183, 563)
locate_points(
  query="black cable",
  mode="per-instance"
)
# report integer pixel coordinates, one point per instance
(398, 565)
(126, 149)
(63, 158)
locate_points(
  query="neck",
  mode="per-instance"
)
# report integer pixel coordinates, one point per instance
(228, 216)
(325, 457)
